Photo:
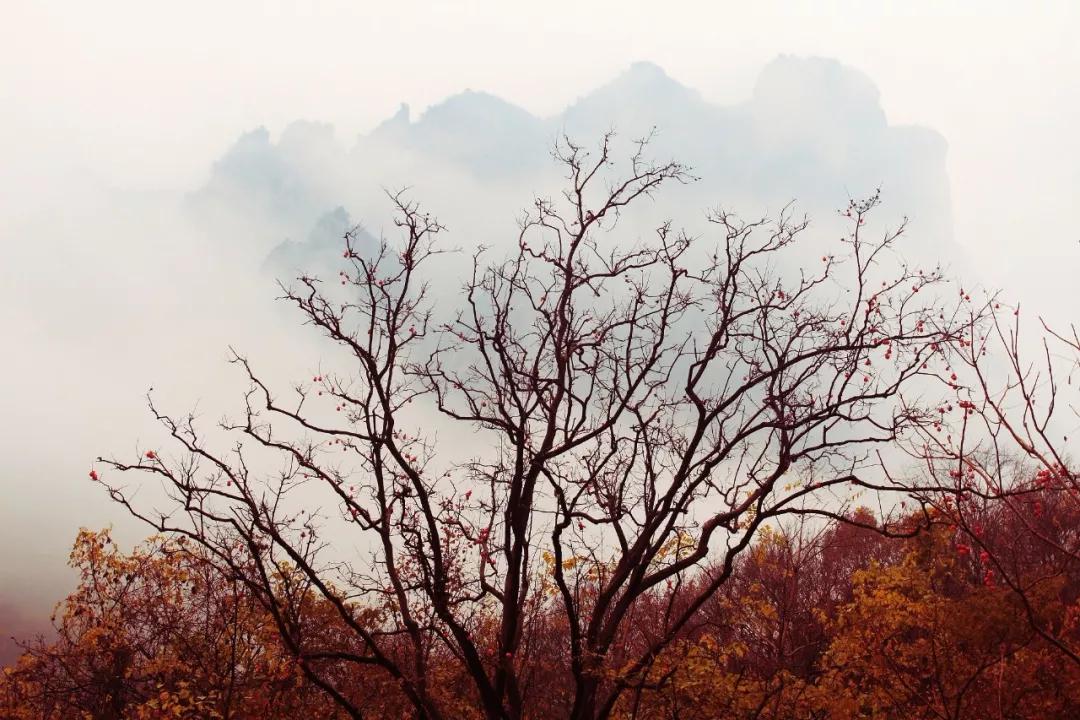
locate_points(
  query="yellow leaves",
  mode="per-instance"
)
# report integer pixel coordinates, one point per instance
(570, 563)
(549, 560)
(702, 679)
(677, 547)
(916, 639)
(179, 703)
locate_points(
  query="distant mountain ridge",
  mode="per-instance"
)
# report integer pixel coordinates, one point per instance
(813, 130)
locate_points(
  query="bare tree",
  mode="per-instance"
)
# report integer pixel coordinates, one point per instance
(644, 409)
(999, 459)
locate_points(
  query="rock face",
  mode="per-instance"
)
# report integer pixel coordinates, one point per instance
(286, 184)
(476, 131)
(321, 253)
(813, 131)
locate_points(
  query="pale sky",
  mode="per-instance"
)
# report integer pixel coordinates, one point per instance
(106, 97)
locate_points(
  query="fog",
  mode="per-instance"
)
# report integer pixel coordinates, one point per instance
(155, 160)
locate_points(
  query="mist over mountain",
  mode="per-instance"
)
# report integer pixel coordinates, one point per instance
(322, 247)
(812, 133)
(477, 132)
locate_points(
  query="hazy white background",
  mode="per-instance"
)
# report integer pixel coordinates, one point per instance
(110, 110)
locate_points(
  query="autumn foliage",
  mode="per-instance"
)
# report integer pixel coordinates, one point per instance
(154, 633)
(817, 621)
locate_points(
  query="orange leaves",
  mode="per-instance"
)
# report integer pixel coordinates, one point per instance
(156, 633)
(813, 624)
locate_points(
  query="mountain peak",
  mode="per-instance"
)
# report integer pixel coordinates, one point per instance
(641, 97)
(396, 125)
(819, 88)
(646, 69)
(472, 105)
(644, 76)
